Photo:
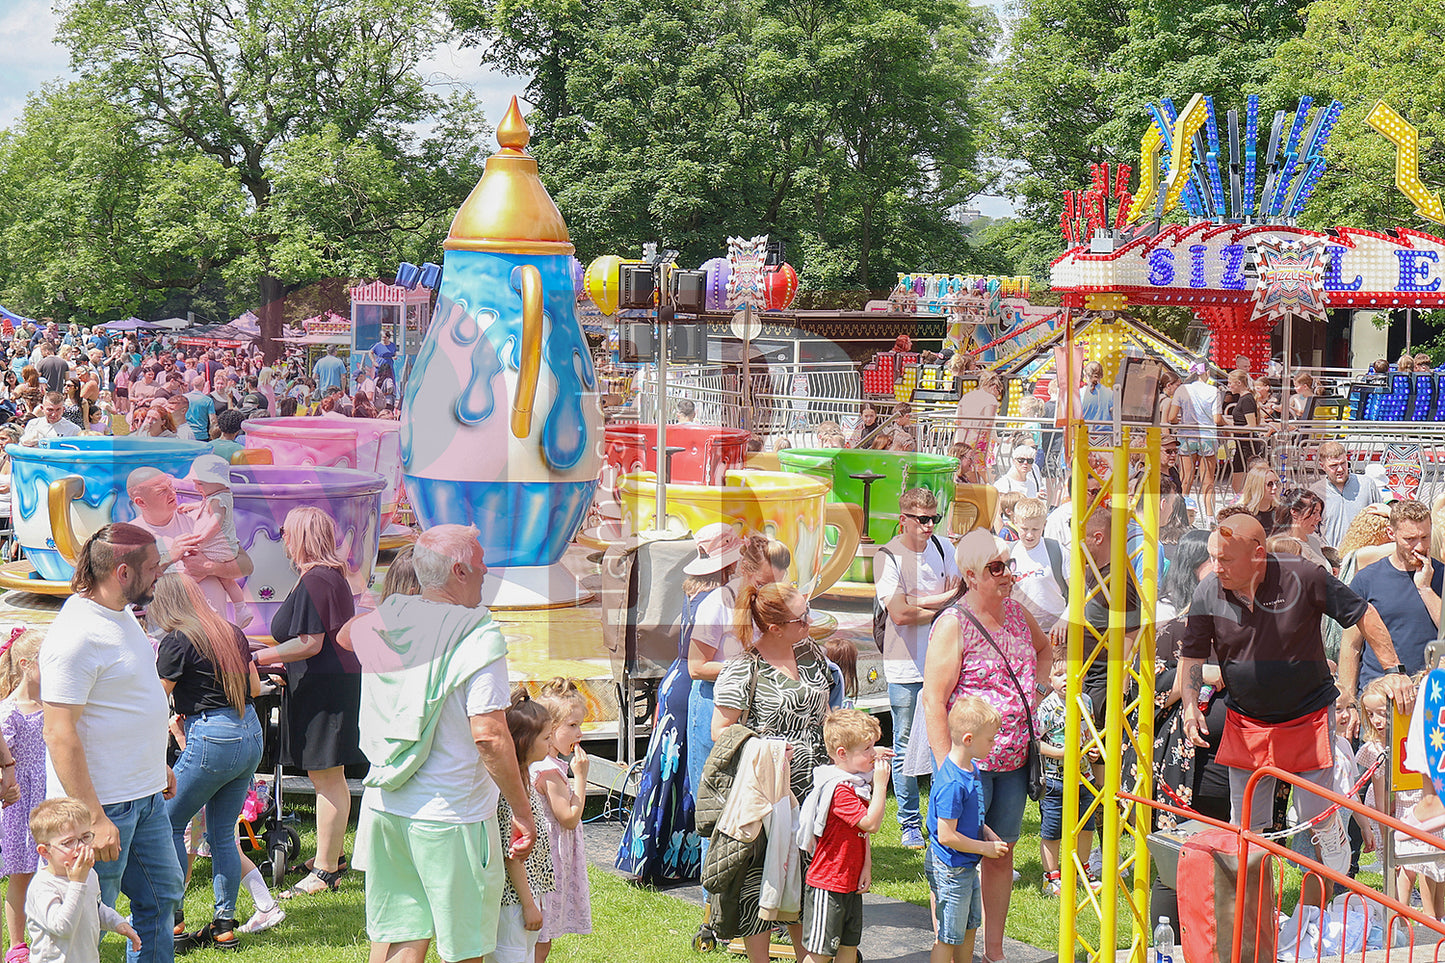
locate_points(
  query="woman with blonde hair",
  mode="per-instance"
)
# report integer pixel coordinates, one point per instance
(725, 565)
(324, 708)
(1260, 496)
(975, 416)
(779, 688)
(205, 666)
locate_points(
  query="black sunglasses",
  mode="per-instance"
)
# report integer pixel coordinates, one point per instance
(922, 519)
(998, 566)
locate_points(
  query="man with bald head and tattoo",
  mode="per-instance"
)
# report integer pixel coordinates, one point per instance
(1260, 613)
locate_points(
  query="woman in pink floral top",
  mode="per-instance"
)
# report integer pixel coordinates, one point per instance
(960, 662)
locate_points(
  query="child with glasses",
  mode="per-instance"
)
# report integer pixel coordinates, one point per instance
(63, 903)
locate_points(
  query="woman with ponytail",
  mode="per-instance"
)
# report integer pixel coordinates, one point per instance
(205, 665)
(779, 687)
(725, 565)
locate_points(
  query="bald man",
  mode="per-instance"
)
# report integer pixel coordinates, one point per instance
(1260, 615)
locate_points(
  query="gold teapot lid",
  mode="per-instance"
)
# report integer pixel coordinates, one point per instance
(509, 211)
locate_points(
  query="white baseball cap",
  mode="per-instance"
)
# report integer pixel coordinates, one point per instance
(211, 468)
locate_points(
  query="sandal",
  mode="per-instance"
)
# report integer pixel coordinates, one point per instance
(329, 881)
(343, 866)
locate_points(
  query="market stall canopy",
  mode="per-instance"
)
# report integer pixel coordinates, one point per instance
(131, 324)
(13, 318)
(173, 324)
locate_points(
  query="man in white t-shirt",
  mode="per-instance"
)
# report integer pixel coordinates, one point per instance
(105, 730)
(1039, 566)
(1022, 476)
(914, 576)
(51, 423)
(434, 698)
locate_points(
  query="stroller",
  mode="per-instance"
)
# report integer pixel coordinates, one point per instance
(278, 842)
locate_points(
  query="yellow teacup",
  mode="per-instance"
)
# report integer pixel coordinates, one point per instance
(791, 508)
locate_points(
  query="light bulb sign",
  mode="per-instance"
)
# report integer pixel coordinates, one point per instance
(1205, 264)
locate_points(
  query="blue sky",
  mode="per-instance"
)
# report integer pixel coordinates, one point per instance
(36, 59)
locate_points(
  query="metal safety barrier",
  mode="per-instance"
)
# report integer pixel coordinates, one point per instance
(1407, 934)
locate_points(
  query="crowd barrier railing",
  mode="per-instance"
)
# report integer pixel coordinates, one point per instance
(1408, 934)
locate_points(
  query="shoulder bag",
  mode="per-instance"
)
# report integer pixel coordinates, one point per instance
(1033, 761)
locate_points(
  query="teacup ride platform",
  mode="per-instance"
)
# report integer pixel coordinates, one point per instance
(873, 481)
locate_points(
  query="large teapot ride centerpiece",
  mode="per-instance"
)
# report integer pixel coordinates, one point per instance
(500, 424)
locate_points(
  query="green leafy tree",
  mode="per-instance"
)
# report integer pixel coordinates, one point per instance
(847, 128)
(96, 219)
(1360, 51)
(311, 106)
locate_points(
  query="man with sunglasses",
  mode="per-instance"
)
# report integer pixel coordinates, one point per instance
(1260, 614)
(914, 577)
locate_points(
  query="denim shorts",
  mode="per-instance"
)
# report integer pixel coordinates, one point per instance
(1051, 809)
(1004, 795)
(957, 897)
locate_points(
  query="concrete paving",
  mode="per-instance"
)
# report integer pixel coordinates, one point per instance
(894, 931)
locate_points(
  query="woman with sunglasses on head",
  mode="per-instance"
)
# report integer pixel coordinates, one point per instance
(1298, 514)
(988, 645)
(779, 687)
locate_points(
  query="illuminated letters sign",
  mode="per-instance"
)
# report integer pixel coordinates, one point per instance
(1209, 264)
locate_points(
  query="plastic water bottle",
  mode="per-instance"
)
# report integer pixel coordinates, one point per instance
(1163, 941)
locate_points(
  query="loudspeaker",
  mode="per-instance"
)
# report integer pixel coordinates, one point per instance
(687, 341)
(637, 287)
(689, 289)
(636, 342)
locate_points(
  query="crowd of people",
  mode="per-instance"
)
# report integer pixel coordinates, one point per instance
(131, 734)
(131, 740)
(60, 383)
(1241, 678)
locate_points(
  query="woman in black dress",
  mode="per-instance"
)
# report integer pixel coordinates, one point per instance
(323, 711)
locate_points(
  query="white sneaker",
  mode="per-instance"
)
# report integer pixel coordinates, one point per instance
(263, 920)
(1333, 843)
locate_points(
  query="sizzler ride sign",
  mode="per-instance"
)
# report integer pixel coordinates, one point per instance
(1205, 264)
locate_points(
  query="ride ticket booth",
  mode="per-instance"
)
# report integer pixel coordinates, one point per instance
(380, 306)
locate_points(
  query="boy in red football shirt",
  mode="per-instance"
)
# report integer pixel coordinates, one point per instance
(842, 810)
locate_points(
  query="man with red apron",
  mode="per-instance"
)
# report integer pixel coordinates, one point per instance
(1260, 614)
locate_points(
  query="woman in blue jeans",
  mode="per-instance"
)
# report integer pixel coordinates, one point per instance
(205, 664)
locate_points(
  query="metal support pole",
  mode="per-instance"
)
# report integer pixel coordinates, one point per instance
(660, 521)
(746, 395)
(1286, 388)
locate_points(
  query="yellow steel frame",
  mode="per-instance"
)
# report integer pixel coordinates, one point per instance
(1129, 717)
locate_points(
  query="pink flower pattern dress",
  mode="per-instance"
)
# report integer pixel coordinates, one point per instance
(568, 908)
(982, 674)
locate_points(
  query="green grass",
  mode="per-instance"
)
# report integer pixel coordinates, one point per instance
(629, 922)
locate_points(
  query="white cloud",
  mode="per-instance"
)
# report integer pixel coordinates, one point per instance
(452, 65)
(31, 57)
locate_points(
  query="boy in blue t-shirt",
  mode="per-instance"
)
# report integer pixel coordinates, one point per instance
(959, 838)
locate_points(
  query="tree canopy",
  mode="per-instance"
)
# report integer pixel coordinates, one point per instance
(276, 142)
(849, 128)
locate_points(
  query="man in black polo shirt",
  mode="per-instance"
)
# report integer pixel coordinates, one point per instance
(1260, 613)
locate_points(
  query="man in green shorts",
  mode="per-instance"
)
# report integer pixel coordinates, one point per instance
(434, 695)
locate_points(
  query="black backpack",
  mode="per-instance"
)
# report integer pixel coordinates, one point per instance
(880, 612)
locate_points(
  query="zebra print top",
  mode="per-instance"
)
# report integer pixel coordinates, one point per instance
(781, 706)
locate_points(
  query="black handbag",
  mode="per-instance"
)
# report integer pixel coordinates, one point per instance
(1033, 759)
